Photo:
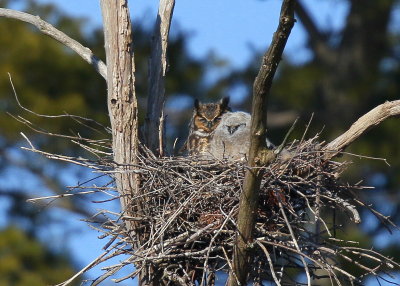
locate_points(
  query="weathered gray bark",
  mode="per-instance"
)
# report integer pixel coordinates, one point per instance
(157, 70)
(121, 99)
(258, 154)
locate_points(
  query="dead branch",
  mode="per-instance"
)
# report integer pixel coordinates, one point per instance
(270, 263)
(157, 71)
(362, 125)
(83, 270)
(56, 34)
(258, 154)
(295, 242)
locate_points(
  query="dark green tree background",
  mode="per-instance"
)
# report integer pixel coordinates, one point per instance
(351, 70)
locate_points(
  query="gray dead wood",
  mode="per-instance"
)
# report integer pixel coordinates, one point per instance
(157, 71)
(121, 99)
(51, 31)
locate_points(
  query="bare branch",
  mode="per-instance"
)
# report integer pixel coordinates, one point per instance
(362, 125)
(56, 34)
(270, 263)
(83, 270)
(295, 243)
(258, 154)
(157, 71)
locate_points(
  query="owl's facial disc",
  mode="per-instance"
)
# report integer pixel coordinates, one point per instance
(232, 128)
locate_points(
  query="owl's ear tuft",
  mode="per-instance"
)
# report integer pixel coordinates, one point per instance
(196, 103)
(224, 103)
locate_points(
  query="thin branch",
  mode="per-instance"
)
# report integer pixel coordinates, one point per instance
(271, 264)
(56, 34)
(75, 117)
(30, 125)
(283, 144)
(295, 244)
(34, 200)
(77, 161)
(362, 125)
(83, 270)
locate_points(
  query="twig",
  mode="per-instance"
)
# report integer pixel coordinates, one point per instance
(307, 127)
(83, 270)
(51, 116)
(296, 244)
(30, 125)
(271, 265)
(27, 139)
(33, 200)
(283, 144)
(73, 160)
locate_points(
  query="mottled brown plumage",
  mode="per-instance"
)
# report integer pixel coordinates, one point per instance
(206, 117)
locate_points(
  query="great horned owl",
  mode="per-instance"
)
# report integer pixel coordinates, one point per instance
(206, 118)
(231, 139)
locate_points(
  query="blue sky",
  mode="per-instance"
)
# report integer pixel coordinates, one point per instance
(230, 28)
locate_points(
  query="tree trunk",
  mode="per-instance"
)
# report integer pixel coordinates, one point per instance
(122, 107)
(121, 99)
(259, 155)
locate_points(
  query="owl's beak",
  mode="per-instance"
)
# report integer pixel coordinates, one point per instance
(232, 129)
(209, 124)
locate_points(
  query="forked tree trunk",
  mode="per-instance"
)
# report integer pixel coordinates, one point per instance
(123, 109)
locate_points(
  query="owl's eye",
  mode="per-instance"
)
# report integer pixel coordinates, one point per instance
(217, 119)
(203, 120)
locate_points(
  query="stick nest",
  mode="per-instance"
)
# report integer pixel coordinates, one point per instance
(187, 224)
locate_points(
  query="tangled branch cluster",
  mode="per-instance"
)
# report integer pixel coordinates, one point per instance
(186, 228)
